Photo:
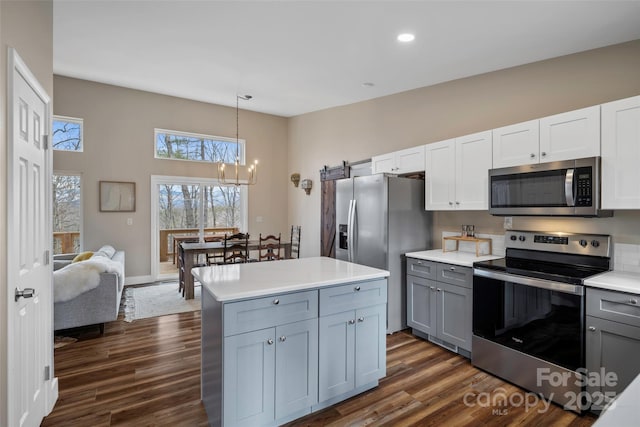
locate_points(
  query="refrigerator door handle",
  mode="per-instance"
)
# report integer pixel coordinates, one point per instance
(354, 232)
(349, 231)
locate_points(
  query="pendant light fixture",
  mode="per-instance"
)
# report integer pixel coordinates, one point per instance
(252, 170)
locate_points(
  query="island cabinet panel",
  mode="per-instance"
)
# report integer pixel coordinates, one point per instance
(296, 367)
(271, 358)
(352, 342)
(343, 298)
(249, 378)
(259, 313)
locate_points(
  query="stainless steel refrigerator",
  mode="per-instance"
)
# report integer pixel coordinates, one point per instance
(378, 219)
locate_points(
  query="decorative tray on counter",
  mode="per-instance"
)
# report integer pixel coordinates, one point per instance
(459, 239)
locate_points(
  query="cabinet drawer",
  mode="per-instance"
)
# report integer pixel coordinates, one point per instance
(455, 275)
(352, 296)
(617, 306)
(261, 313)
(421, 268)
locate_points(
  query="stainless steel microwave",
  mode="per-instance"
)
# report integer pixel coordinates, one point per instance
(565, 188)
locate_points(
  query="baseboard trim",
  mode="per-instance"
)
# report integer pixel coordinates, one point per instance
(137, 280)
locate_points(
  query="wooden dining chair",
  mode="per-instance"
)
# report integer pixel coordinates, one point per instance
(269, 248)
(216, 257)
(295, 241)
(236, 248)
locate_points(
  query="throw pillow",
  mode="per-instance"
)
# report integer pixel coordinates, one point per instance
(108, 250)
(82, 256)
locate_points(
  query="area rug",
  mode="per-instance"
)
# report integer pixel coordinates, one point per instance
(157, 300)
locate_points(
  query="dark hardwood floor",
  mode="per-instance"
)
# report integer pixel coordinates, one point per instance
(147, 373)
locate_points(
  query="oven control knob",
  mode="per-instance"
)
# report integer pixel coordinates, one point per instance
(583, 243)
(514, 237)
(521, 238)
(595, 243)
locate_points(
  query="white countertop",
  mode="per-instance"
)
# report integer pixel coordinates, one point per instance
(239, 281)
(465, 259)
(616, 281)
(623, 411)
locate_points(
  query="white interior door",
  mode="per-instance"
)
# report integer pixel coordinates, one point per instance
(29, 335)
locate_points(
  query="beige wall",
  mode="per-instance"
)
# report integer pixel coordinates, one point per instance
(358, 131)
(27, 27)
(118, 146)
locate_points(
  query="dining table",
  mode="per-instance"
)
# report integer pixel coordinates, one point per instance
(188, 253)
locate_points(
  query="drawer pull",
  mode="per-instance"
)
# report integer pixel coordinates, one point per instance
(360, 319)
(452, 268)
(633, 301)
(283, 338)
(270, 341)
(438, 289)
(592, 328)
(276, 301)
(352, 321)
(419, 262)
(357, 288)
(432, 288)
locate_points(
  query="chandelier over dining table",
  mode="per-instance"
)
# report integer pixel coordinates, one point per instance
(252, 171)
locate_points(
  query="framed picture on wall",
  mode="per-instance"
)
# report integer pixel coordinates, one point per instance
(117, 196)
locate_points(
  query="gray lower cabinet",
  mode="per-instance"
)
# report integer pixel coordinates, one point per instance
(439, 302)
(270, 360)
(353, 342)
(612, 343)
(270, 373)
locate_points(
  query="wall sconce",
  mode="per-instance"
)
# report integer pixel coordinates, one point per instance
(295, 178)
(306, 185)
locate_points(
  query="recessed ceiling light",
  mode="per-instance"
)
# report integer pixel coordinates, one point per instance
(368, 84)
(406, 37)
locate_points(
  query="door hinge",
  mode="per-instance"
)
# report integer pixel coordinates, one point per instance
(47, 254)
(45, 141)
(47, 373)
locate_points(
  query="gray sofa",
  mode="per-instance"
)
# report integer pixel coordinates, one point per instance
(95, 306)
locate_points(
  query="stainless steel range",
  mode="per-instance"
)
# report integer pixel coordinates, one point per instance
(529, 310)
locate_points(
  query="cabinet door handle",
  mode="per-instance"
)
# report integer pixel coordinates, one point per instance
(533, 156)
(592, 328)
(543, 154)
(357, 288)
(361, 319)
(432, 288)
(270, 341)
(276, 301)
(283, 338)
(438, 289)
(352, 321)
(450, 203)
(457, 202)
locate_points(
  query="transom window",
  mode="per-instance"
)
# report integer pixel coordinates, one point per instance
(67, 133)
(170, 144)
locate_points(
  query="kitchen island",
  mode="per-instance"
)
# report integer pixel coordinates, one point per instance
(282, 339)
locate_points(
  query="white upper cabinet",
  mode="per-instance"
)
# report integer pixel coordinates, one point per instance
(571, 135)
(621, 154)
(456, 174)
(473, 161)
(399, 162)
(565, 136)
(517, 144)
(440, 175)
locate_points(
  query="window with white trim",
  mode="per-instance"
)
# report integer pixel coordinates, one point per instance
(67, 212)
(67, 133)
(175, 145)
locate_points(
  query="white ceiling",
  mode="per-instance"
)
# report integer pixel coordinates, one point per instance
(296, 57)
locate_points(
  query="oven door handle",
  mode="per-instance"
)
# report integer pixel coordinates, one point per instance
(530, 281)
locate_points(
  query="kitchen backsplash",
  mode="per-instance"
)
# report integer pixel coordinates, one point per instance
(626, 257)
(497, 243)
